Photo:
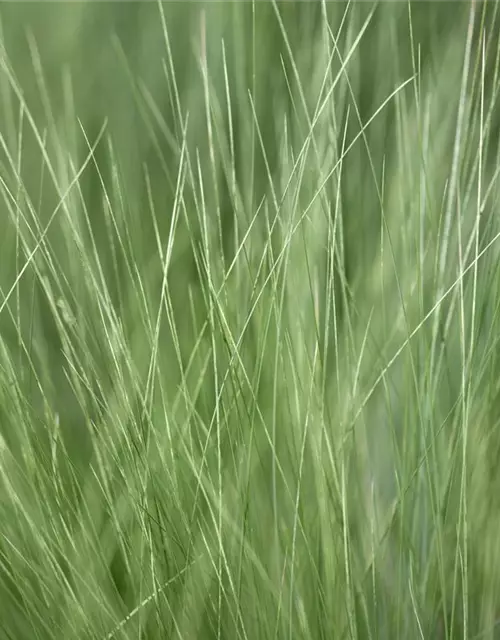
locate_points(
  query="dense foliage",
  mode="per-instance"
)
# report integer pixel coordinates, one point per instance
(249, 296)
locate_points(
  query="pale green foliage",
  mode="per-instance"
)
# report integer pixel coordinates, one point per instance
(249, 299)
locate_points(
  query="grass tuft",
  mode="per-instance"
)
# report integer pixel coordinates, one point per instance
(249, 308)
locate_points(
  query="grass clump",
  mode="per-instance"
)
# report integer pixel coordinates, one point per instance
(248, 320)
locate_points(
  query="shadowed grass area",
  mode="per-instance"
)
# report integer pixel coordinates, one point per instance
(249, 295)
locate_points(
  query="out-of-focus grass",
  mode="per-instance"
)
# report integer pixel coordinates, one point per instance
(248, 319)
